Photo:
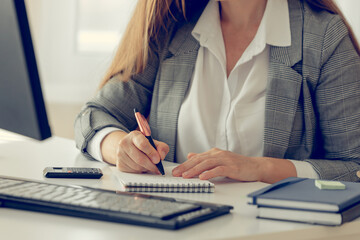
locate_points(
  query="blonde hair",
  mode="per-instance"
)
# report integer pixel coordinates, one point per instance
(149, 19)
(152, 17)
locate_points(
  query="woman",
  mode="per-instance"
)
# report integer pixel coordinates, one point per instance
(253, 90)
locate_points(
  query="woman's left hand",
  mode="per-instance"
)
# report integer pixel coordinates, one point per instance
(216, 162)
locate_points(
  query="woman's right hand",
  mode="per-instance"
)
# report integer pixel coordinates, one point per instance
(132, 152)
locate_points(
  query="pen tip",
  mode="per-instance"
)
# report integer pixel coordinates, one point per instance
(161, 168)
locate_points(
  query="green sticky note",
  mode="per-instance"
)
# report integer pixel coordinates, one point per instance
(332, 185)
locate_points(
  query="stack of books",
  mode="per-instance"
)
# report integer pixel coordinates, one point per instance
(308, 200)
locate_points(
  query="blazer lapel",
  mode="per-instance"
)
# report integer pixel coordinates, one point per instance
(284, 87)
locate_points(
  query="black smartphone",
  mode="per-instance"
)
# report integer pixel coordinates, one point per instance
(72, 172)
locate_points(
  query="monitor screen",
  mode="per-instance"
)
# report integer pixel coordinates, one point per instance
(22, 108)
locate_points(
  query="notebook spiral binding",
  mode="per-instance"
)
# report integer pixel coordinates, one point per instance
(170, 188)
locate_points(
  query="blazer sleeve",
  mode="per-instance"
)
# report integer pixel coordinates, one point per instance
(338, 106)
(114, 103)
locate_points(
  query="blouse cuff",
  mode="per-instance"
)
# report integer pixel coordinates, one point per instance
(304, 169)
(93, 147)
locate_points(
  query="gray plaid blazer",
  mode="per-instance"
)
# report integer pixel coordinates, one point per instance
(312, 110)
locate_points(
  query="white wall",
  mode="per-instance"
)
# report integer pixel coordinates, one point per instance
(68, 75)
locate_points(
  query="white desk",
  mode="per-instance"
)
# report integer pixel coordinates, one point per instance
(23, 157)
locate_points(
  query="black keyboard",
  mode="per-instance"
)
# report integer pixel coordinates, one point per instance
(121, 207)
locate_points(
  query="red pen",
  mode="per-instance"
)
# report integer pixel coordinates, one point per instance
(145, 129)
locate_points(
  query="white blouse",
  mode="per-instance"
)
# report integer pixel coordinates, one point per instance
(228, 112)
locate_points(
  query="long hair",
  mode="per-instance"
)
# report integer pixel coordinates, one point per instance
(150, 17)
(153, 16)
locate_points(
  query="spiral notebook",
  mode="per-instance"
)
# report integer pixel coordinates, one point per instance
(131, 182)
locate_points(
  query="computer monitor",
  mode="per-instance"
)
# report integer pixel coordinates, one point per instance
(22, 108)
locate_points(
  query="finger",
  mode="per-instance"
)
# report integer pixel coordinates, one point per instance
(143, 144)
(162, 148)
(125, 164)
(139, 158)
(133, 165)
(190, 155)
(219, 171)
(190, 163)
(202, 166)
(123, 167)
